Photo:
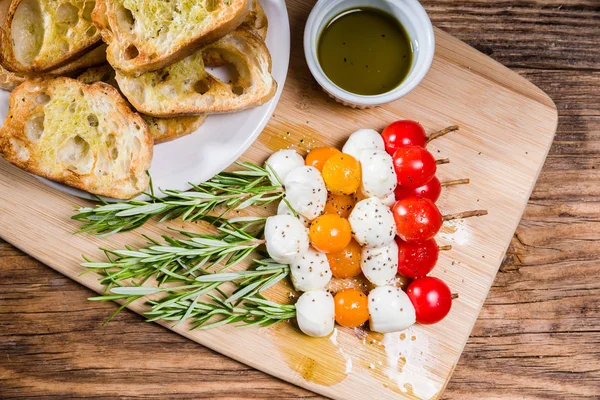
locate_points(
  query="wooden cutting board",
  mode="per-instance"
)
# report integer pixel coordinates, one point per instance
(507, 127)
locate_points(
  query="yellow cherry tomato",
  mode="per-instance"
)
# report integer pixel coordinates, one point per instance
(317, 157)
(342, 174)
(340, 204)
(329, 233)
(351, 308)
(346, 263)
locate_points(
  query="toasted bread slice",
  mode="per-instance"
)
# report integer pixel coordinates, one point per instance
(146, 35)
(161, 129)
(186, 87)
(10, 80)
(257, 20)
(167, 129)
(41, 35)
(92, 58)
(82, 135)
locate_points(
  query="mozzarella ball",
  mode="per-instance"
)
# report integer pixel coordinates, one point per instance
(379, 265)
(305, 191)
(315, 313)
(281, 163)
(284, 209)
(390, 310)
(372, 223)
(310, 271)
(286, 238)
(389, 199)
(363, 139)
(378, 174)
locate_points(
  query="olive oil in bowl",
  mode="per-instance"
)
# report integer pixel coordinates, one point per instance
(365, 51)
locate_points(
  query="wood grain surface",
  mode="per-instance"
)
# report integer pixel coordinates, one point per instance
(538, 334)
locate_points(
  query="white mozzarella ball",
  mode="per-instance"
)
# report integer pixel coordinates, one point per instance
(310, 271)
(378, 174)
(305, 191)
(372, 223)
(379, 265)
(286, 238)
(390, 310)
(363, 139)
(389, 199)
(315, 313)
(281, 163)
(284, 209)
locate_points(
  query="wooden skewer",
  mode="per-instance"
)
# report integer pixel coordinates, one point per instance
(445, 248)
(442, 161)
(465, 214)
(456, 182)
(441, 133)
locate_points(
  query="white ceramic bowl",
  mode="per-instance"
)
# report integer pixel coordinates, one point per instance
(411, 15)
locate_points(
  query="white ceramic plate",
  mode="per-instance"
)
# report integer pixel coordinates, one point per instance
(222, 138)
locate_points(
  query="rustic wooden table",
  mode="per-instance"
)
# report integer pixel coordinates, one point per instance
(538, 336)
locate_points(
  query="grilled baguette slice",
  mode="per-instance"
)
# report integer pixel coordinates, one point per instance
(146, 35)
(41, 35)
(82, 135)
(186, 87)
(257, 20)
(92, 58)
(161, 129)
(10, 80)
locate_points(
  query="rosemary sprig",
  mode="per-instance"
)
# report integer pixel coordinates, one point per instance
(181, 302)
(180, 260)
(251, 311)
(232, 190)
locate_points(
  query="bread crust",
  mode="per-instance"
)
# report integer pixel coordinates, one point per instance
(50, 55)
(121, 174)
(178, 90)
(257, 20)
(161, 129)
(92, 58)
(10, 80)
(168, 129)
(150, 57)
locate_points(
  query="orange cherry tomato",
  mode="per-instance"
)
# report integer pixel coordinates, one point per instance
(340, 204)
(346, 263)
(317, 157)
(351, 308)
(342, 174)
(329, 233)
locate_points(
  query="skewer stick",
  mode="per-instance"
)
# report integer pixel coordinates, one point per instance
(445, 248)
(456, 182)
(464, 214)
(442, 161)
(441, 133)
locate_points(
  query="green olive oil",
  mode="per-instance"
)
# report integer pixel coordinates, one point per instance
(365, 51)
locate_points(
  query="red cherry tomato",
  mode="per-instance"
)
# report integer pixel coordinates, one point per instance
(431, 298)
(416, 219)
(417, 259)
(403, 133)
(431, 190)
(414, 166)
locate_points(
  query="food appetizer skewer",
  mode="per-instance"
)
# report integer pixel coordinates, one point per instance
(365, 216)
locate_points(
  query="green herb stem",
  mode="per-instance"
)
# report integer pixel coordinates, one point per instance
(236, 190)
(181, 302)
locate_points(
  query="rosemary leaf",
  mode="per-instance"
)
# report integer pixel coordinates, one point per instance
(229, 190)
